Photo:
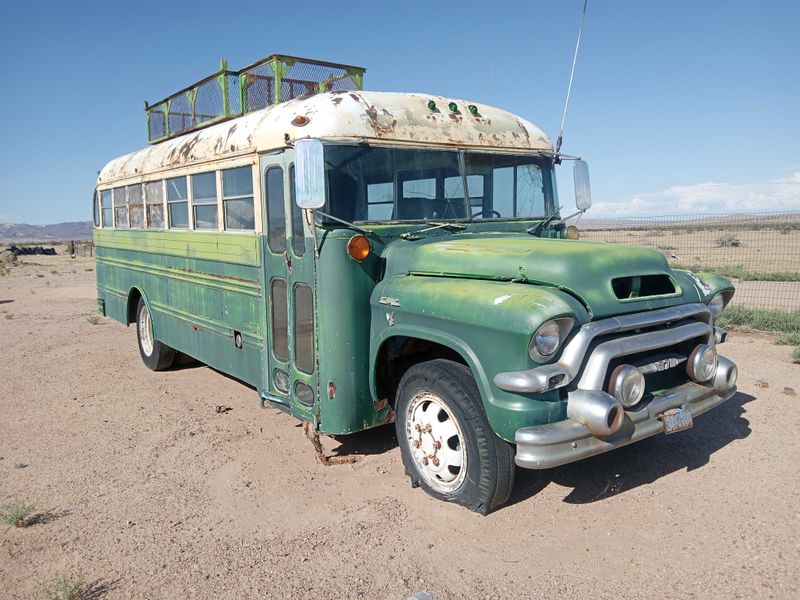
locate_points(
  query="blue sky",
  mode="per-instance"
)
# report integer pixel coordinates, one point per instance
(680, 106)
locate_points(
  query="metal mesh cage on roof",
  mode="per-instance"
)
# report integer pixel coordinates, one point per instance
(227, 94)
(258, 86)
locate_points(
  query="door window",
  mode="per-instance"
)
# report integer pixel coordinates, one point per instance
(304, 328)
(276, 212)
(298, 235)
(280, 320)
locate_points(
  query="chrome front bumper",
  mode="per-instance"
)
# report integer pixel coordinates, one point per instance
(584, 364)
(554, 444)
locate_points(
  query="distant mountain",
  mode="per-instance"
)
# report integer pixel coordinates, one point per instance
(59, 232)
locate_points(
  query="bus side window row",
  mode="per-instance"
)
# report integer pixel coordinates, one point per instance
(142, 206)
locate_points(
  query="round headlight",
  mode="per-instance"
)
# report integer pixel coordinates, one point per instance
(716, 305)
(702, 363)
(626, 385)
(548, 338)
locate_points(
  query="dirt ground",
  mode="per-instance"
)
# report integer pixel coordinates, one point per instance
(148, 492)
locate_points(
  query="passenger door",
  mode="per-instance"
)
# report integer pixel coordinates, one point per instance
(289, 261)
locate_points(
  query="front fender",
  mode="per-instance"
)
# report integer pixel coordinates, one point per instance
(488, 323)
(706, 283)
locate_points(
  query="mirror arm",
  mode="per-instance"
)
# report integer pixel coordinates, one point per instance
(575, 214)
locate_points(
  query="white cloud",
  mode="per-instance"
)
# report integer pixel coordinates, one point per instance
(782, 194)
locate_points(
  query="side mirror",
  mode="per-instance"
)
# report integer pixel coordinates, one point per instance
(309, 173)
(583, 193)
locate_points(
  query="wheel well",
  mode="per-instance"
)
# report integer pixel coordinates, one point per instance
(133, 303)
(398, 354)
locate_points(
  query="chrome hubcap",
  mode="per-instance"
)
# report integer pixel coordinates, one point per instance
(145, 331)
(436, 442)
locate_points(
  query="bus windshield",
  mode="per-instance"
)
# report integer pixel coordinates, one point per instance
(377, 184)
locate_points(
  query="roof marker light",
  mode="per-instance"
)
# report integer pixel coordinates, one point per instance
(431, 105)
(473, 109)
(453, 107)
(300, 120)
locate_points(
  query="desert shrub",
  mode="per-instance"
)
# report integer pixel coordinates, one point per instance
(728, 240)
(64, 587)
(94, 319)
(17, 514)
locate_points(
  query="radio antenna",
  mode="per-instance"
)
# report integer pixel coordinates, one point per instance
(571, 75)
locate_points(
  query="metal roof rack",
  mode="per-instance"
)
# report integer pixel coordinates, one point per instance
(228, 94)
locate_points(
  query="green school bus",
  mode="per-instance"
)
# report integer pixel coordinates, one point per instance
(362, 258)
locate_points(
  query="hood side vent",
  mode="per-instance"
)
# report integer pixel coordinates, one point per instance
(642, 286)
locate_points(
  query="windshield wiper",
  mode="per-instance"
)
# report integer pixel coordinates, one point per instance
(343, 222)
(434, 225)
(537, 229)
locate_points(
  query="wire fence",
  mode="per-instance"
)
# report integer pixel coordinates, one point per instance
(759, 252)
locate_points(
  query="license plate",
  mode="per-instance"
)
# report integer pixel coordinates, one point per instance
(676, 419)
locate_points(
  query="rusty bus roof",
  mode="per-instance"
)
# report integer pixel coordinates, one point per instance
(379, 117)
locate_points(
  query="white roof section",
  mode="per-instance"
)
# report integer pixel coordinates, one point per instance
(384, 117)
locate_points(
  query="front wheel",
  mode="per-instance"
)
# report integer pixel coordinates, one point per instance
(156, 356)
(447, 444)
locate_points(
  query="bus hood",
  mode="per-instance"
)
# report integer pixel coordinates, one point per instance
(584, 270)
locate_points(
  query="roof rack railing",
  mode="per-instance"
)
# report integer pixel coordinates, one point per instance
(228, 94)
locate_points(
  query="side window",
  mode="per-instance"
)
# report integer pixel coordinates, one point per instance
(120, 208)
(96, 209)
(178, 203)
(237, 198)
(380, 201)
(154, 200)
(298, 235)
(135, 206)
(204, 200)
(304, 328)
(276, 213)
(280, 319)
(107, 208)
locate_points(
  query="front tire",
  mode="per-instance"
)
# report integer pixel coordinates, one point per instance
(155, 355)
(447, 444)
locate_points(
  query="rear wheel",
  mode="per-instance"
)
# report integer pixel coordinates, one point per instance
(156, 356)
(447, 444)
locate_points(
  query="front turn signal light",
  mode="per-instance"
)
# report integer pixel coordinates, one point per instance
(358, 248)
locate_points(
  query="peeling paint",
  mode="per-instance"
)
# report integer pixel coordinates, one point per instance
(389, 117)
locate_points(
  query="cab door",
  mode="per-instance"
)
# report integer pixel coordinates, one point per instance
(289, 261)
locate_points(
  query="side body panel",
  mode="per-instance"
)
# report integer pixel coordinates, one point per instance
(201, 288)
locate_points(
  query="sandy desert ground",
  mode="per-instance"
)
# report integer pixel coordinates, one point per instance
(148, 492)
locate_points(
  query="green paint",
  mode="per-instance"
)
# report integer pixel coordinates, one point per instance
(581, 269)
(481, 292)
